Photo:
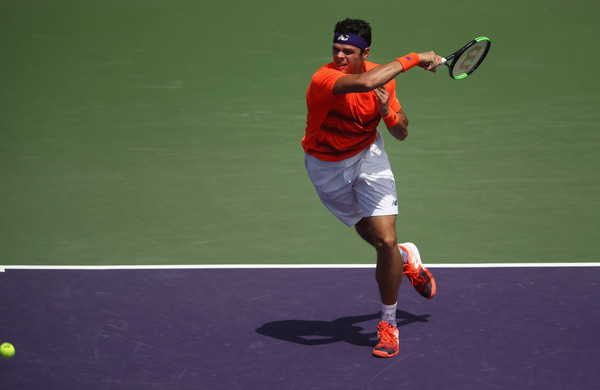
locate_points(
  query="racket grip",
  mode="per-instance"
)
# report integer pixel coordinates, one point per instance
(444, 60)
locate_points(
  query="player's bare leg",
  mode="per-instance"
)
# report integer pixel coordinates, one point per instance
(380, 232)
(364, 229)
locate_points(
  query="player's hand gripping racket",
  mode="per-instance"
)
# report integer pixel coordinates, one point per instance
(467, 58)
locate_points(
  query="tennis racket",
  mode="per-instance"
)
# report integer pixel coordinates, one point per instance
(467, 58)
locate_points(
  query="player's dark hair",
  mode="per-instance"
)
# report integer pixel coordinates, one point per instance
(355, 26)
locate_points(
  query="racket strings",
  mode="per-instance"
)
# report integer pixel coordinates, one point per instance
(470, 59)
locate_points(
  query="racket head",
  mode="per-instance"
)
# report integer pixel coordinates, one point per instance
(469, 59)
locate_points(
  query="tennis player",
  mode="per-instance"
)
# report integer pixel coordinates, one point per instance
(346, 161)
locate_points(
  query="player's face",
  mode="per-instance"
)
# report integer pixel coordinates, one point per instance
(348, 58)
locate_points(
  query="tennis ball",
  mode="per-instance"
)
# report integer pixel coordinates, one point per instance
(7, 350)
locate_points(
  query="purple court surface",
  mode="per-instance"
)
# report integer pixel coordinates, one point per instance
(277, 328)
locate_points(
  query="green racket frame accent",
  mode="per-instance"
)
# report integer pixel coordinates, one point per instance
(461, 51)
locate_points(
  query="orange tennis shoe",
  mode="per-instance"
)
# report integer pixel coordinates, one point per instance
(388, 344)
(420, 277)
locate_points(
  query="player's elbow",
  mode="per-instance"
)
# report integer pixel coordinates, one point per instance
(399, 132)
(365, 83)
(369, 85)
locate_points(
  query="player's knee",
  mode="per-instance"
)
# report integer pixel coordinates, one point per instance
(386, 244)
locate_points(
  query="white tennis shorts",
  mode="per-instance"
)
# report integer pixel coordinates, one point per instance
(360, 186)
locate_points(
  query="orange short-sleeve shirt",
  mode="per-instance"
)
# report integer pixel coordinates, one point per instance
(341, 126)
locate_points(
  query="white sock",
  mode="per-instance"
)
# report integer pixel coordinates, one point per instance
(404, 255)
(388, 313)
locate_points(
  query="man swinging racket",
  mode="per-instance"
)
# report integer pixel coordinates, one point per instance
(346, 161)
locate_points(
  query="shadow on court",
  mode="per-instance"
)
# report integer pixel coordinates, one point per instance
(343, 329)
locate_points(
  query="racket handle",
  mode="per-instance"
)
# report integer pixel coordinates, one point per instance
(444, 60)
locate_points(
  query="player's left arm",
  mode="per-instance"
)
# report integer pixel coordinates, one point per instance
(400, 129)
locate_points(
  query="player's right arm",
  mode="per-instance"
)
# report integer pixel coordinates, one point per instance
(381, 75)
(367, 81)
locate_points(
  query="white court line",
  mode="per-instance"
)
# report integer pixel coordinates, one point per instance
(3, 268)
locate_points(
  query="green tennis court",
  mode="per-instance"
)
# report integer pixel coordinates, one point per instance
(168, 132)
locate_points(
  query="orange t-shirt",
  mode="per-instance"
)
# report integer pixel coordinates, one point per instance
(341, 126)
